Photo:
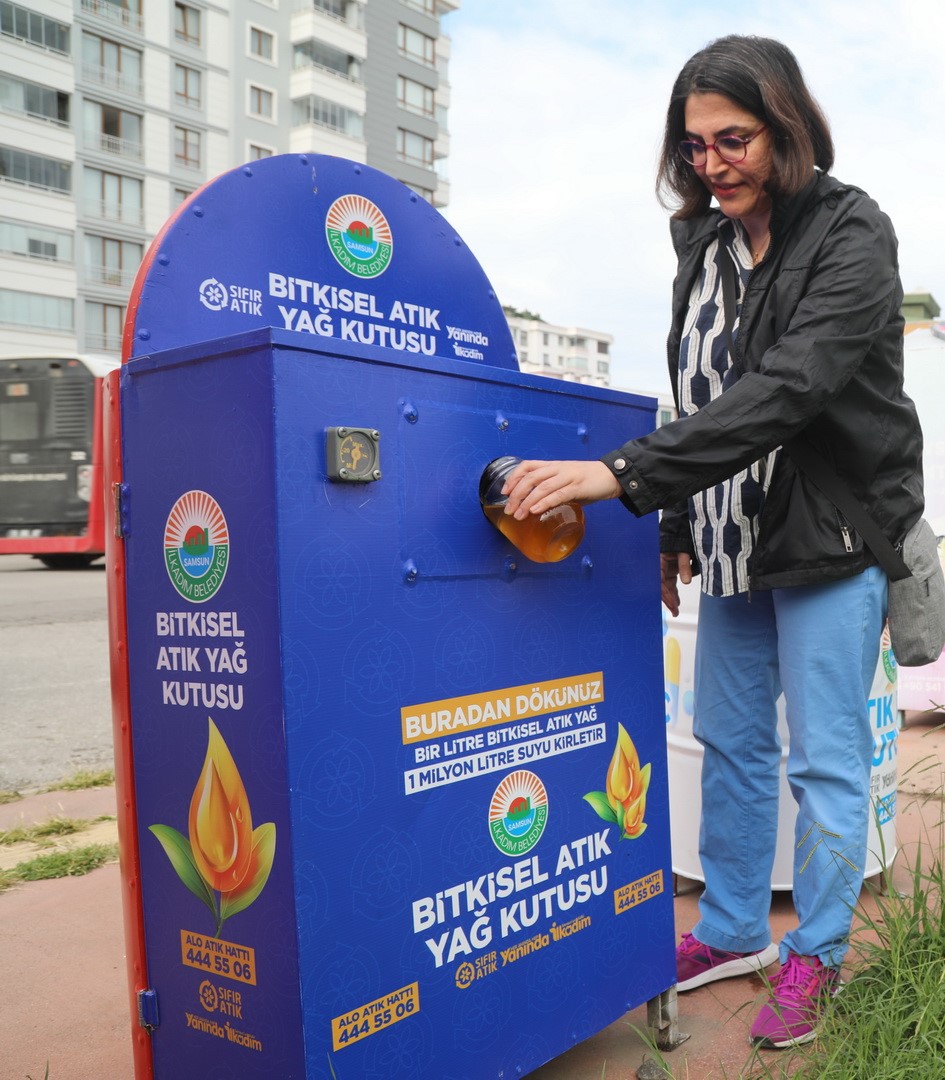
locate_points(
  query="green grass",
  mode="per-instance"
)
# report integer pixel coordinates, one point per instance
(48, 830)
(79, 781)
(888, 1022)
(60, 864)
(85, 778)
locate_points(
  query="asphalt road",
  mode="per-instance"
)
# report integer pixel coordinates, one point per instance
(55, 706)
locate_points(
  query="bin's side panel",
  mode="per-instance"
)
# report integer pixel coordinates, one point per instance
(456, 717)
(121, 725)
(206, 719)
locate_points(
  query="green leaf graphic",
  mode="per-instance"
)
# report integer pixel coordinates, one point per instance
(264, 850)
(177, 849)
(603, 809)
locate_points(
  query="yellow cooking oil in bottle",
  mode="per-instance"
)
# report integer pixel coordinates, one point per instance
(548, 537)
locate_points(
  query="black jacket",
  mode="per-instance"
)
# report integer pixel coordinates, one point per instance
(819, 345)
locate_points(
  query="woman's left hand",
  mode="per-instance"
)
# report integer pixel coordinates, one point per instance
(536, 486)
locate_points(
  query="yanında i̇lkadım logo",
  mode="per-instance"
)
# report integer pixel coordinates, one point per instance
(359, 236)
(196, 546)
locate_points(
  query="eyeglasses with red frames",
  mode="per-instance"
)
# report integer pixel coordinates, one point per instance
(730, 148)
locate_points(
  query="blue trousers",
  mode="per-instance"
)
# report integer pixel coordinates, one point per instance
(818, 645)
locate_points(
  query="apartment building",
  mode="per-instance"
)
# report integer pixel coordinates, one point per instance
(113, 111)
(571, 353)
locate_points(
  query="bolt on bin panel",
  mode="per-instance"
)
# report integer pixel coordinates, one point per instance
(449, 903)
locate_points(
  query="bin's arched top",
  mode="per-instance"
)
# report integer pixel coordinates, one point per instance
(320, 245)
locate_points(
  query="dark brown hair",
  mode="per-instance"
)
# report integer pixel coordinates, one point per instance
(763, 77)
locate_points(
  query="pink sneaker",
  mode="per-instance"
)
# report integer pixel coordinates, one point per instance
(798, 994)
(698, 964)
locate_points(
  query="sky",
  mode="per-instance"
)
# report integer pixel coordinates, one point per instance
(555, 119)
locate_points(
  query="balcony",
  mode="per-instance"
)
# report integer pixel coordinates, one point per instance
(110, 275)
(114, 14)
(106, 210)
(441, 196)
(41, 117)
(315, 81)
(96, 341)
(312, 24)
(113, 80)
(112, 144)
(314, 138)
(301, 62)
(353, 17)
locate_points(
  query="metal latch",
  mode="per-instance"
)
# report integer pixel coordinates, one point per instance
(148, 1016)
(120, 497)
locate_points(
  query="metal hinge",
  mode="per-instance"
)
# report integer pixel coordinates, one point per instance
(148, 1016)
(120, 497)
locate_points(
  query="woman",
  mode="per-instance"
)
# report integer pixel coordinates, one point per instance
(792, 601)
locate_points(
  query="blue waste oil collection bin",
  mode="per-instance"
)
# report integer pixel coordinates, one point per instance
(395, 796)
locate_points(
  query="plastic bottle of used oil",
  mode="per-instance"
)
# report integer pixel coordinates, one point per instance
(548, 537)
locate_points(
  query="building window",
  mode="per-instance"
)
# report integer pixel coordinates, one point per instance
(103, 325)
(262, 45)
(113, 65)
(257, 152)
(335, 8)
(36, 309)
(317, 54)
(113, 130)
(416, 46)
(112, 197)
(328, 114)
(524, 357)
(35, 241)
(414, 149)
(603, 367)
(112, 262)
(187, 147)
(603, 347)
(428, 7)
(34, 170)
(261, 102)
(31, 99)
(33, 28)
(187, 86)
(179, 196)
(414, 96)
(186, 23)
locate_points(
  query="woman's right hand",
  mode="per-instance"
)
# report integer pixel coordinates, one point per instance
(674, 566)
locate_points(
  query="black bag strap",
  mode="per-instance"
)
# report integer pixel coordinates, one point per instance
(806, 458)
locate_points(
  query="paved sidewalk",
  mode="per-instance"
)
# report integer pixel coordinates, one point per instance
(63, 995)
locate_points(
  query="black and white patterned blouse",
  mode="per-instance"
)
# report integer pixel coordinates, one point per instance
(724, 518)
